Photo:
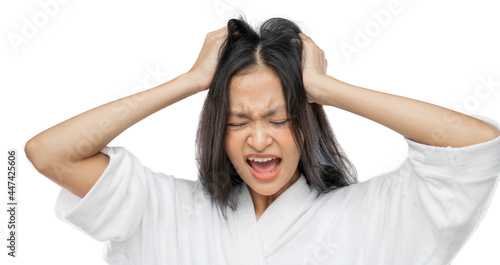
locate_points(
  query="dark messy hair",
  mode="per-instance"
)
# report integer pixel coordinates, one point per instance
(277, 45)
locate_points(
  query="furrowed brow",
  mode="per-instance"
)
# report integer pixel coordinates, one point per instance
(275, 110)
(270, 113)
(239, 114)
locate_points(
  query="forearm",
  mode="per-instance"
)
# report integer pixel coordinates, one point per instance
(85, 135)
(419, 121)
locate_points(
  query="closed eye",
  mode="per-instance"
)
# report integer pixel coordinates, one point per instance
(280, 123)
(236, 125)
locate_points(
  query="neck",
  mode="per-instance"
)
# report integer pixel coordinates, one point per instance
(261, 202)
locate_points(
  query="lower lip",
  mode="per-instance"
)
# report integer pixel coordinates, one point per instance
(266, 176)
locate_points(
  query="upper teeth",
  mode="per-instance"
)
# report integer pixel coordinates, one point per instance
(260, 159)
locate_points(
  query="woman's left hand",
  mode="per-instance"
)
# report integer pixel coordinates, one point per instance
(416, 120)
(314, 66)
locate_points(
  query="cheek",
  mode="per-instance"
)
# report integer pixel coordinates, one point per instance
(234, 145)
(288, 144)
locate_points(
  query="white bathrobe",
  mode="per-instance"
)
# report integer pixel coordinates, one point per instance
(421, 213)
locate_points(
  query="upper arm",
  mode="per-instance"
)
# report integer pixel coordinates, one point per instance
(78, 177)
(84, 174)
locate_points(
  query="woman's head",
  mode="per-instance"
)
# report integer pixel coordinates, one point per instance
(259, 142)
(257, 109)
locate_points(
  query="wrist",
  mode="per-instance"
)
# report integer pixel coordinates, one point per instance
(317, 87)
(193, 83)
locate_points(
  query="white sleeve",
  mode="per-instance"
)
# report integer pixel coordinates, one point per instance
(115, 205)
(425, 211)
(454, 186)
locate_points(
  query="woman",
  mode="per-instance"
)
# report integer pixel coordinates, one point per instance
(274, 185)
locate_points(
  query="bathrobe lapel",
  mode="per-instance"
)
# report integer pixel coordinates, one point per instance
(278, 223)
(241, 237)
(248, 241)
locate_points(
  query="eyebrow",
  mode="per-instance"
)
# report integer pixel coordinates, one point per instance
(269, 113)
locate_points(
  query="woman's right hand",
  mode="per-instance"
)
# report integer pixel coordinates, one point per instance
(69, 153)
(203, 70)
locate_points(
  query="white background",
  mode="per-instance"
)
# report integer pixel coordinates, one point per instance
(81, 54)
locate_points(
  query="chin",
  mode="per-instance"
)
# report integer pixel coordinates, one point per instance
(266, 192)
(266, 189)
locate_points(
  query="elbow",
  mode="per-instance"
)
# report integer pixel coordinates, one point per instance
(484, 132)
(490, 133)
(34, 151)
(476, 132)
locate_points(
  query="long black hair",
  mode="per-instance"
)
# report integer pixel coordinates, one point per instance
(277, 45)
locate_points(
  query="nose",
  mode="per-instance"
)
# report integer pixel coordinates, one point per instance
(259, 138)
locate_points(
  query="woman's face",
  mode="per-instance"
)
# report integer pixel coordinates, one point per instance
(259, 142)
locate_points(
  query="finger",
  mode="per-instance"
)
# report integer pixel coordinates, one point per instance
(222, 29)
(307, 40)
(217, 34)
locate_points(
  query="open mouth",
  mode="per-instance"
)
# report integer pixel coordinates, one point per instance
(264, 168)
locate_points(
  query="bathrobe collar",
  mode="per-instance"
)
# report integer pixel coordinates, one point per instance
(249, 241)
